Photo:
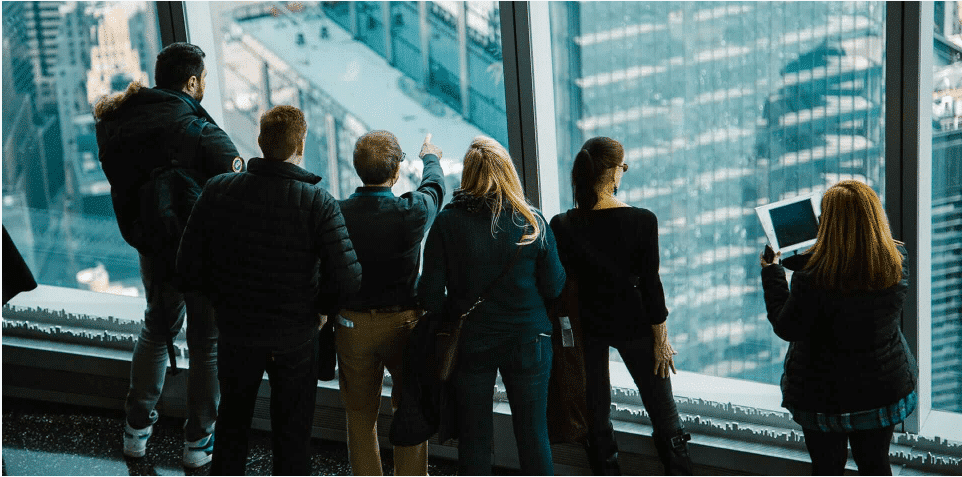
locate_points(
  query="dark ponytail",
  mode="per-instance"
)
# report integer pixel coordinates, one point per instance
(596, 157)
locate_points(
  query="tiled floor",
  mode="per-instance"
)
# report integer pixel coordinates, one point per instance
(52, 439)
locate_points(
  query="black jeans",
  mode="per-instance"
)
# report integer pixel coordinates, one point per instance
(870, 449)
(639, 357)
(293, 378)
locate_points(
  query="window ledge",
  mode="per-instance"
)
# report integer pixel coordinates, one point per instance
(737, 426)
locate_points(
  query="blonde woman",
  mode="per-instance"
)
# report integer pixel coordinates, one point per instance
(472, 241)
(849, 375)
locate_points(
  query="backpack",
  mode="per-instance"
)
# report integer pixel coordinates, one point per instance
(166, 200)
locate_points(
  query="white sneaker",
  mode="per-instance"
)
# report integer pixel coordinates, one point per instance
(135, 440)
(197, 453)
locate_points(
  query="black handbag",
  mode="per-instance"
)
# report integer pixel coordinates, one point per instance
(567, 401)
(449, 335)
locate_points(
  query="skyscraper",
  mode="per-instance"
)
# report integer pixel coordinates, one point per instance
(721, 107)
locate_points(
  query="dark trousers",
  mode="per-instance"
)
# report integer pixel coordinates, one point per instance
(638, 355)
(870, 449)
(164, 317)
(525, 365)
(293, 378)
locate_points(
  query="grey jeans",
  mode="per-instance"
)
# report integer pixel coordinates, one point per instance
(165, 314)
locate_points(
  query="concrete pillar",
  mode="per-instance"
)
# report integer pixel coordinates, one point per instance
(463, 59)
(388, 28)
(266, 79)
(333, 178)
(425, 29)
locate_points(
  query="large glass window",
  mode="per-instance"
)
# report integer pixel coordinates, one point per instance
(58, 59)
(411, 68)
(947, 209)
(721, 107)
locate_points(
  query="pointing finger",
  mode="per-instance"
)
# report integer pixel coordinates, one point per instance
(427, 139)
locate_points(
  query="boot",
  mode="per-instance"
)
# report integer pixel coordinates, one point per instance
(673, 453)
(603, 458)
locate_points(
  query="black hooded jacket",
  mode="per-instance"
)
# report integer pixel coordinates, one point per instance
(142, 129)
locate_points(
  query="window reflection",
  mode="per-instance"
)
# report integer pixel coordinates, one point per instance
(721, 106)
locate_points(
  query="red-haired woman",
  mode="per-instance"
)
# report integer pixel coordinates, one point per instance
(849, 375)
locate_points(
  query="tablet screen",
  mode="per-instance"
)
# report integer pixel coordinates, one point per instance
(794, 223)
(791, 224)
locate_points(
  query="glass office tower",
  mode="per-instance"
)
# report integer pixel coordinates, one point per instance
(721, 107)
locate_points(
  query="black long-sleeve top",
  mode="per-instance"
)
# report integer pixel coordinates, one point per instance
(626, 237)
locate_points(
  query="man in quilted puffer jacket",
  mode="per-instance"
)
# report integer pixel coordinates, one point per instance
(270, 249)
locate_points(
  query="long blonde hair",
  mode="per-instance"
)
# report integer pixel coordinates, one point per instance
(489, 172)
(855, 249)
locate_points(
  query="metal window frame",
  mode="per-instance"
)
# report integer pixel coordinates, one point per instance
(908, 170)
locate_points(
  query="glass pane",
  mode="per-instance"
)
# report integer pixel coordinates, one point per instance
(721, 107)
(947, 210)
(353, 67)
(58, 59)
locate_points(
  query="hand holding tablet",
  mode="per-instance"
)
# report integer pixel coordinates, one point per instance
(791, 224)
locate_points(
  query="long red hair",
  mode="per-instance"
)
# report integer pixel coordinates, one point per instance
(855, 249)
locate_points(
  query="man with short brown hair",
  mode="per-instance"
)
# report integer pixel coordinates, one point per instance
(374, 324)
(270, 249)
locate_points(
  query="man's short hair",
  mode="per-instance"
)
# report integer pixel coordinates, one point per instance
(176, 63)
(283, 129)
(377, 156)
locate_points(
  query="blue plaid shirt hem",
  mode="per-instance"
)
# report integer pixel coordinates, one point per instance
(859, 420)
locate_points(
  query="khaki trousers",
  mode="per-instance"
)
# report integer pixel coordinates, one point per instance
(375, 341)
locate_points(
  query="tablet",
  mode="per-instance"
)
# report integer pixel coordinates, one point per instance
(791, 224)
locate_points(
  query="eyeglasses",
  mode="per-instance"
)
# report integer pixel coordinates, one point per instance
(403, 155)
(623, 166)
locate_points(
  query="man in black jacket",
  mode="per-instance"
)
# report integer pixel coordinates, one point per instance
(387, 232)
(137, 131)
(270, 249)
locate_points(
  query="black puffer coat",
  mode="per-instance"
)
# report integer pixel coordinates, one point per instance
(270, 249)
(847, 352)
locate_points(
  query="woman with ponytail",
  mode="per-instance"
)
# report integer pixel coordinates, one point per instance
(611, 250)
(490, 234)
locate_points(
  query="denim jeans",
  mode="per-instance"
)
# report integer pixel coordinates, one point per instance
(525, 364)
(870, 449)
(292, 374)
(165, 314)
(638, 355)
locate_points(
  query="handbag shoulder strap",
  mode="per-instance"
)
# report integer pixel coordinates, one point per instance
(487, 290)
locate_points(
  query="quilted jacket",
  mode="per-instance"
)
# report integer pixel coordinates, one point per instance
(270, 249)
(847, 352)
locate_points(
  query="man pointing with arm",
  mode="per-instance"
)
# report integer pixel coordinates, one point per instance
(387, 232)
